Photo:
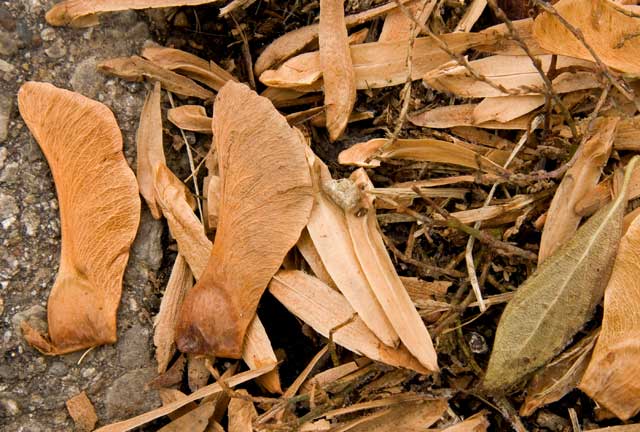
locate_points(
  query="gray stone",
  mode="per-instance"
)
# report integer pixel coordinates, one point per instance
(59, 369)
(8, 206)
(134, 348)
(6, 104)
(146, 252)
(8, 406)
(127, 396)
(86, 79)
(56, 50)
(9, 44)
(36, 315)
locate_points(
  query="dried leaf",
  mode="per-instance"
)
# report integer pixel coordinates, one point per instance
(329, 313)
(471, 15)
(82, 412)
(135, 68)
(337, 67)
(328, 376)
(99, 214)
(266, 199)
(397, 26)
(191, 117)
(211, 389)
(476, 423)
(605, 28)
(376, 64)
(193, 421)
(213, 201)
(610, 376)
(505, 108)
(602, 193)
(562, 219)
(312, 257)
(330, 235)
(149, 148)
(514, 73)
(623, 428)
(180, 281)
(258, 352)
(426, 149)
(169, 396)
(628, 134)
(503, 44)
(463, 115)
(206, 72)
(385, 283)
(82, 13)
(556, 301)
(171, 376)
(295, 41)
(559, 377)
(241, 413)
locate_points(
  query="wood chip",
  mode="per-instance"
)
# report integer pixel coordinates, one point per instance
(82, 412)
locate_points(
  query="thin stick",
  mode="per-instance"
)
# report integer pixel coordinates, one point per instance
(191, 165)
(471, 268)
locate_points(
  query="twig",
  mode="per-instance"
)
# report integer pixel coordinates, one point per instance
(191, 165)
(453, 222)
(575, 423)
(509, 413)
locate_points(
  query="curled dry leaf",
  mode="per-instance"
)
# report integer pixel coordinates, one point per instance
(266, 199)
(99, 214)
(514, 73)
(135, 68)
(376, 64)
(556, 301)
(331, 315)
(385, 282)
(562, 219)
(206, 72)
(463, 115)
(191, 117)
(605, 27)
(329, 232)
(82, 13)
(505, 108)
(368, 154)
(150, 152)
(559, 377)
(610, 376)
(337, 67)
(180, 281)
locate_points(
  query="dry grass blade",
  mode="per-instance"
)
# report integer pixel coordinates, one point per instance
(211, 389)
(330, 235)
(368, 154)
(149, 148)
(99, 214)
(180, 281)
(607, 30)
(580, 180)
(266, 199)
(329, 313)
(191, 117)
(376, 64)
(510, 75)
(82, 13)
(609, 377)
(463, 115)
(385, 283)
(559, 377)
(206, 72)
(557, 300)
(337, 67)
(135, 68)
(242, 413)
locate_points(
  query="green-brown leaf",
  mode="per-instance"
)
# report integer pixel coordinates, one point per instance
(557, 300)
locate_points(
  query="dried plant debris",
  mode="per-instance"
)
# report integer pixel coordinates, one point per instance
(557, 300)
(82, 412)
(83, 13)
(265, 203)
(190, 117)
(609, 30)
(99, 211)
(609, 377)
